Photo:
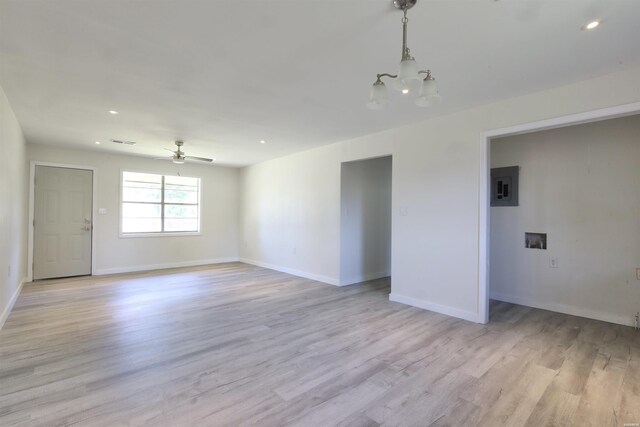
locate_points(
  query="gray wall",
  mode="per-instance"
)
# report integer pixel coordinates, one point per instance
(13, 208)
(581, 185)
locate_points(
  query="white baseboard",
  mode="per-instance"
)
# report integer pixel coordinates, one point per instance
(431, 306)
(312, 276)
(11, 303)
(132, 269)
(364, 278)
(567, 309)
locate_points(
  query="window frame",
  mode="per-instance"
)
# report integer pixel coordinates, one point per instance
(162, 205)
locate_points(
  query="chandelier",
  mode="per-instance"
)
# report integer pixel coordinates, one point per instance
(408, 77)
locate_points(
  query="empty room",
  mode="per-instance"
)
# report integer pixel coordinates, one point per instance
(320, 213)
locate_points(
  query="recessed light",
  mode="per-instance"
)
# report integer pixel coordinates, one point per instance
(97, 142)
(262, 141)
(591, 25)
(114, 112)
(405, 91)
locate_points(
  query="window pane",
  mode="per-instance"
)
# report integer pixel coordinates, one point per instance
(181, 211)
(141, 225)
(180, 189)
(181, 181)
(143, 208)
(141, 187)
(140, 210)
(142, 177)
(179, 196)
(173, 224)
(132, 194)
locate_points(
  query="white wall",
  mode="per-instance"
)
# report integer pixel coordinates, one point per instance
(290, 218)
(436, 178)
(290, 209)
(219, 210)
(13, 208)
(581, 185)
(365, 224)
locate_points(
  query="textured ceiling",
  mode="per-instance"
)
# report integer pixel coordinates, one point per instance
(224, 75)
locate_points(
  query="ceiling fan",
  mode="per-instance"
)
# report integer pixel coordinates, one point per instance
(179, 157)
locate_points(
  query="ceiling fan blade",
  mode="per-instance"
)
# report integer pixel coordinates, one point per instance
(198, 159)
(162, 158)
(171, 151)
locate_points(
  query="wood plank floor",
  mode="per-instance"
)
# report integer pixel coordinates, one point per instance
(234, 344)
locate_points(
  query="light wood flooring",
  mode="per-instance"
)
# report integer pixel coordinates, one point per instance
(234, 344)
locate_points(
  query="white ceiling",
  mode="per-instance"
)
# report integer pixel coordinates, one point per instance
(223, 75)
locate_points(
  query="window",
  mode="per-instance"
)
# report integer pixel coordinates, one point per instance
(159, 203)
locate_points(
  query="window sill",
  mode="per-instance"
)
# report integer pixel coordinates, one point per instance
(175, 234)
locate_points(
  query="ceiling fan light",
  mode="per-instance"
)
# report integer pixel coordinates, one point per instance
(178, 161)
(378, 97)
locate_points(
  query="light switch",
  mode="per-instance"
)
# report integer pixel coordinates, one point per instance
(102, 211)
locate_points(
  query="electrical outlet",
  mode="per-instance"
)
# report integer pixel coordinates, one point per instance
(553, 262)
(638, 273)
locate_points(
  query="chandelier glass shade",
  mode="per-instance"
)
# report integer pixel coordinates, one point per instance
(379, 97)
(409, 77)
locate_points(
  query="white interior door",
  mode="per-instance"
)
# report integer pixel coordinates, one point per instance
(62, 222)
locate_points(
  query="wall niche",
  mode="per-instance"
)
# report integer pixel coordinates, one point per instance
(535, 240)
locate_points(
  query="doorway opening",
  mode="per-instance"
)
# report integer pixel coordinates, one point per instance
(534, 247)
(365, 220)
(61, 206)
